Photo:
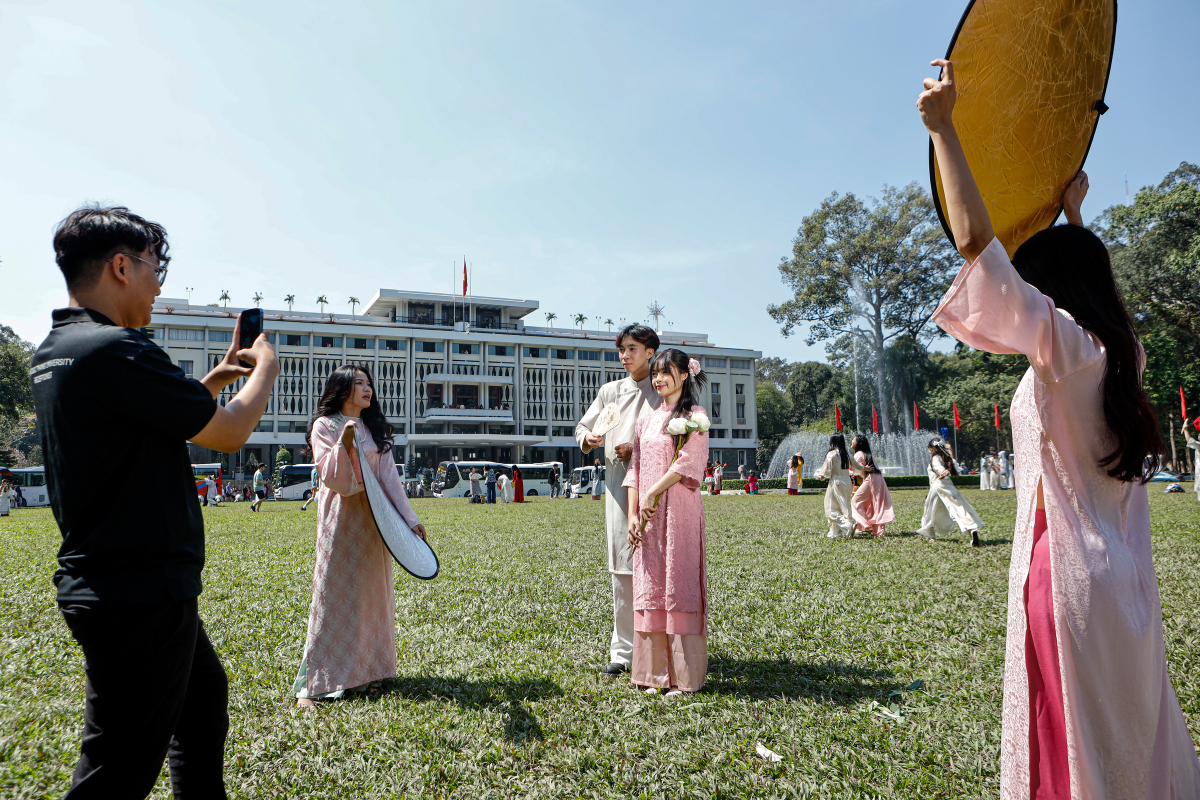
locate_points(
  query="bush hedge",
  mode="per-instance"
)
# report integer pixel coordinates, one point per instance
(895, 482)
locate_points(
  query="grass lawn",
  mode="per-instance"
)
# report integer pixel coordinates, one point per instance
(873, 667)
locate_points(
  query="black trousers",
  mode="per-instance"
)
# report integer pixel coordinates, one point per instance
(155, 689)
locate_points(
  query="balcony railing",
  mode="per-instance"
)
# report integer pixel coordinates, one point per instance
(494, 324)
(461, 414)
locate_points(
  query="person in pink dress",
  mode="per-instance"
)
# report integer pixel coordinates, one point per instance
(351, 641)
(871, 504)
(1089, 710)
(670, 583)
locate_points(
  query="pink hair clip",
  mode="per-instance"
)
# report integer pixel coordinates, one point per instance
(693, 366)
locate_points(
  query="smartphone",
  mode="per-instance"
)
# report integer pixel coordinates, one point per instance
(251, 326)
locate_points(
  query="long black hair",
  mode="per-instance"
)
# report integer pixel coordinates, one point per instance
(939, 449)
(337, 391)
(1070, 265)
(838, 442)
(860, 445)
(674, 358)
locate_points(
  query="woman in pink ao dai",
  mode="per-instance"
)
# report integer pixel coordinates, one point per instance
(670, 584)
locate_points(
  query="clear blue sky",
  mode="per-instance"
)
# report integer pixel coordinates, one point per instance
(591, 156)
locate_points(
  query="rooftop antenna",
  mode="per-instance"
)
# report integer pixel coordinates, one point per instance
(189, 291)
(656, 311)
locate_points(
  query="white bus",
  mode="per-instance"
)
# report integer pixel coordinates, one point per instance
(32, 481)
(452, 478)
(581, 480)
(294, 482)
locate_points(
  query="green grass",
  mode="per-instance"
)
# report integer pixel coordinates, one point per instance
(873, 667)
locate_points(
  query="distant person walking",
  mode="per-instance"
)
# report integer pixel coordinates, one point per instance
(491, 485)
(505, 488)
(836, 470)
(793, 475)
(476, 490)
(597, 480)
(518, 485)
(314, 481)
(718, 477)
(260, 487)
(6, 495)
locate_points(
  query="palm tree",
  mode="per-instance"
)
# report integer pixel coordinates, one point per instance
(550, 317)
(609, 323)
(257, 299)
(579, 320)
(353, 302)
(289, 299)
(322, 302)
(224, 298)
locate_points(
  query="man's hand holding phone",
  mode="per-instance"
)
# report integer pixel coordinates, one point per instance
(228, 369)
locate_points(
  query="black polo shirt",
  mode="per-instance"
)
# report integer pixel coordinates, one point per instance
(114, 416)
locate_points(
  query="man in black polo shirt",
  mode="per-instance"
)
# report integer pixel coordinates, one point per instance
(129, 567)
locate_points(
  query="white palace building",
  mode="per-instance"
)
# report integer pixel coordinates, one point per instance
(458, 380)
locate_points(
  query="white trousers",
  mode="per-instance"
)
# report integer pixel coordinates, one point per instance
(620, 649)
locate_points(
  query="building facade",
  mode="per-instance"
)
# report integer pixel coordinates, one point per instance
(458, 380)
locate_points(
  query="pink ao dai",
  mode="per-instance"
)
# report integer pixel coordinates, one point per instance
(871, 504)
(1126, 736)
(352, 627)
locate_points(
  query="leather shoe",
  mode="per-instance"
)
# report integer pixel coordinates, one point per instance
(614, 669)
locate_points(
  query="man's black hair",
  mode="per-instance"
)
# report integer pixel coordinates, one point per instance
(639, 333)
(91, 235)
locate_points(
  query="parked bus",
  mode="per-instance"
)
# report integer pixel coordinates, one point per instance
(452, 478)
(202, 471)
(294, 482)
(581, 480)
(32, 481)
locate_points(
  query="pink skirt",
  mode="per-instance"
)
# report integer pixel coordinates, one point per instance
(670, 649)
(1049, 775)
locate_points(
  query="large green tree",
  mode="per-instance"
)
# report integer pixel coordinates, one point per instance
(16, 392)
(772, 418)
(870, 273)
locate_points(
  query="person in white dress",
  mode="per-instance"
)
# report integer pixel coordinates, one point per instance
(944, 505)
(6, 494)
(506, 492)
(1194, 445)
(1002, 470)
(836, 470)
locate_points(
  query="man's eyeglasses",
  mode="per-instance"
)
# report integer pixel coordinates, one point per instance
(160, 269)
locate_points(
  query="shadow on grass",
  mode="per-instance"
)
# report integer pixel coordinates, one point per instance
(520, 725)
(762, 679)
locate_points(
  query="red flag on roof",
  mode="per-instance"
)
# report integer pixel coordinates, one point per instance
(997, 405)
(957, 421)
(464, 276)
(837, 413)
(874, 419)
(916, 417)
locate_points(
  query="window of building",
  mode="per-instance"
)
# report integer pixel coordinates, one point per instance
(428, 347)
(265, 425)
(464, 429)
(589, 355)
(740, 363)
(741, 410)
(425, 427)
(535, 430)
(398, 428)
(502, 430)
(186, 366)
(289, 427)
(501, 350)
(610, 355)
(743, 433)
(153, 333)
(718, 433)
(535, 352)
(716, 408)
(716, 388)
(714, 362)
(739, 388)
(392, 344)
(197, 335)
(361, 344)
(464, 349)
(563, 430)
(562, 355)
(294, 339)
(328, 341)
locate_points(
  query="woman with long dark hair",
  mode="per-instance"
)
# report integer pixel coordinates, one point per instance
(351, 641)
(1084, 615)
(793, 474)
(670, 581)
(836, 470)
(945, 505)
(871, 504)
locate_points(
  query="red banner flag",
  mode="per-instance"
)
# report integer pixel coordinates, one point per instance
(874, 419)
(1182, 403)
(464, 276)
(916, 417)
(837, 412)
(997, 416)
(957, 421)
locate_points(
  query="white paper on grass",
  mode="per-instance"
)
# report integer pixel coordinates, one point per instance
(410, 551)
(768, 754)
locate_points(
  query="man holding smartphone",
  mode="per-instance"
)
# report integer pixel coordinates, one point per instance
(129, 573)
